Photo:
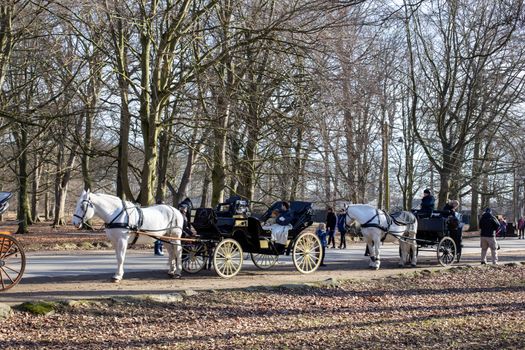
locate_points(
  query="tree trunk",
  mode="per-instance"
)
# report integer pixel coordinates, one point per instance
(218, 174)
(205, 190)
(35, 189)
(182, 191)
(476, 172)
(164, 153)
(23, 212)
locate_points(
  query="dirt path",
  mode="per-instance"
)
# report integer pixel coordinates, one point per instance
(148, 282)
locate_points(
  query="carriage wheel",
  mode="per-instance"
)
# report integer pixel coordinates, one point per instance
(12, 262)
(264, 261)
(446, 251)
(227, 258)
(307, 253)
(193, 257)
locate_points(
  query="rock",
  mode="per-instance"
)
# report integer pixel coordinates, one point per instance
(190, 292)
(45, 308)
(164, 298)
(5, 311)
(331, 282)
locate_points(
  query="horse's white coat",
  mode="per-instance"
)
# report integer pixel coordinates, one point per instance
(362, 213)
(159, 219)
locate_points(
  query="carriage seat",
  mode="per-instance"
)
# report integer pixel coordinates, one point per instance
(205, 222)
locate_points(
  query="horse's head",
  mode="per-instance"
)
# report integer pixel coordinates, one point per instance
(84, 210)
(349, 217)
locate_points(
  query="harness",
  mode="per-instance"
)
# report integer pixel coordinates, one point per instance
(385, 229)
(89, 204)
(126, 225)
(369, 223)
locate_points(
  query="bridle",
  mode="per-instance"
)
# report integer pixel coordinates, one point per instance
(88, 204)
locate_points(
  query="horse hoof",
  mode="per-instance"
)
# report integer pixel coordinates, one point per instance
(413, 265)
(175, 277)
(400, 265)
(115, 280)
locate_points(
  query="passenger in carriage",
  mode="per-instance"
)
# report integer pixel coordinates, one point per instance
(452, 205)
(428, 202)
(272, 219)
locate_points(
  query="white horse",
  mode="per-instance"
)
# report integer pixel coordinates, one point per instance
(121, 218)
(377, 227)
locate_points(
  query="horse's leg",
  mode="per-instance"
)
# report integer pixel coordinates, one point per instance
(120, 243)
(175, 257)
(404, 251)
(377, 245)
(413, 249)
(171, 261)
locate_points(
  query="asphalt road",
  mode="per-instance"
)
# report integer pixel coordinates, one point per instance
(86, 274)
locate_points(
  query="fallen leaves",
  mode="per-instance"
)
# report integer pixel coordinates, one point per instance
(463, 309)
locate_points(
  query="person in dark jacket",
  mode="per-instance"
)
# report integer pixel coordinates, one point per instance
(331, 221)
(428, 202)
(341, 227)
(488, 224)
(454, 225)
(186, 227)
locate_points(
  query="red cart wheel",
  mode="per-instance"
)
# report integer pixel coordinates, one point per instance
(12, 261)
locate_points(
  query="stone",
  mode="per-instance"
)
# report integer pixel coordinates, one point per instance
(190, 292)
(5, 311)
(164, 298)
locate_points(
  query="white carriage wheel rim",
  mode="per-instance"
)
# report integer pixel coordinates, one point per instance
(307, 253)
(228, 258)
(194, 262)
(446, 259)
(264, 261)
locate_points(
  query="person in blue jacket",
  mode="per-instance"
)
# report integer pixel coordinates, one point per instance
(321, 233)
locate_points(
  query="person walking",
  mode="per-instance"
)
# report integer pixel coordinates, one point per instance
(488, 225)
(502, 230)
(521, 228)
(455, 226)
(331, 221)
(341, 227)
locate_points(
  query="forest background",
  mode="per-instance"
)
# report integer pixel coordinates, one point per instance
(320, 100)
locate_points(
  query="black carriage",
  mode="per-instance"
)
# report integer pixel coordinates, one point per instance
(434, 234)
(12, 255)
(228, 231)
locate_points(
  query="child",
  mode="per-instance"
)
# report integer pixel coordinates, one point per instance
(272, 219)
(321, 233)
